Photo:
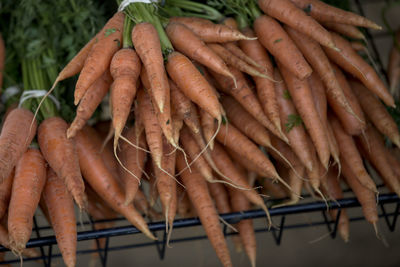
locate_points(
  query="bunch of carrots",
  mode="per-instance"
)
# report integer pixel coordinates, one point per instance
(274, 95)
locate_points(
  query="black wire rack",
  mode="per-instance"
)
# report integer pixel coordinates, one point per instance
(386, 202)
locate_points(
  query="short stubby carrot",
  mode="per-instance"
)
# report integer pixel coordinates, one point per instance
(89, 102)
(102, 181)
(60, 152)
(125, 69)
(351, 62)
(376, 112)
(302, 98)
(210, 32)
(193, 84)
(186, 42)
(17, 133)
(99, 58)
(324, 12)
(147, 45)
(273, 37)
(196, 187)
(29, 180)
(5, 193)
(60, 206)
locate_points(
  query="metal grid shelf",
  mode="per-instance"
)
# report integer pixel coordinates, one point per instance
(385, 202)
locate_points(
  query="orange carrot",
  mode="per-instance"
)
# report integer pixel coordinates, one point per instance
(219, 194)
(189, 44)
(29, 180)
(2, 60)
(208, 127)
(351, 124)
(314, 54)
(351, 62)
(5, 193)
(350, 155)
(376, 112)
(125, 69)
(302, 98)
(60, 153)
(288, 13)
(184, 206)
(246, 97)
(235, 50)
(196, 88)
(273, 37)
(374, 148)
(265, 87)
(324, 12)
(197, 190)
(99, 57)
(89, 102)
(363, 195)
(148, 47)
(393, 68)
(344, 29)
(244, 162)
(133, 159)
(210, 32)
(240, 203)
(97, 175)
(61, 210)
(16, 135)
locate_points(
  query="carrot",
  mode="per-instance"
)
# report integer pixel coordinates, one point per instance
(184, 206)
(220, 196)
(314, 54)
(363, 195)
(240, 203)
(235, 61)
(393, 68)
(393, 161)
(351, 124)
(99, 57)
(151, 126)
(210, 32)
(125, 69)
(148, 47)
(16, 135)
(350, 155)
(351, 62)
(60, 153)
(344, 29)
(331, 187)
(376, 112)
(208, 127)
(197, 190)
(89, 102)
(29, 180)
(61, 210)
(265, 87)
(246, 97)
(372, 139)
(193, 84)
(244, 162)
(101, 180)
(165, 184)
(5, 193)
(133, 159)
(324, 12)
(188, 43)
(273, 37)
(302, 98)
(2, 60)
(235, 50)
(358, 46)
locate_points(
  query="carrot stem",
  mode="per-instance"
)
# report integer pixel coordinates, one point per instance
(126, 38)
(203, 11)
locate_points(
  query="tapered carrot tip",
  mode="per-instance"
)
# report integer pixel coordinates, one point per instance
(149, 234)
(253, 262)
(396, 141)
(344, 234)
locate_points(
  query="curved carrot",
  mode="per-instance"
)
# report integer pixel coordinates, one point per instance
(324, 12)
(351, 62)
(101, 180)
(99, 57)
(89, 102)
(197, 190)
(273, 37)
(5, 193)
(148, 47)
(60, 206)
(29, 180)
(186, 42)
(210, 32)
(17, 133)
(60, 153)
